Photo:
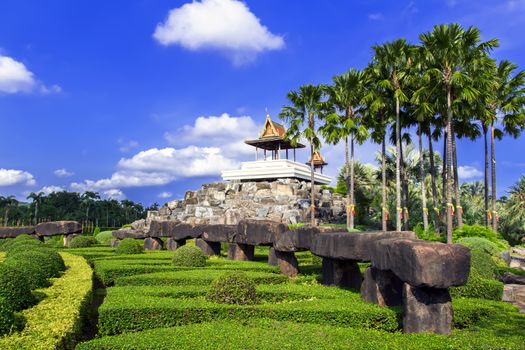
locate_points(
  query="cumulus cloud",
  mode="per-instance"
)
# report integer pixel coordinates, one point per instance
(10, 177)
(227, 25)
(16, 78)
(225, 132)
(468, 172)
(114, 193)
(165, 195)
(63, 173)
(162, 166)
(47, 190)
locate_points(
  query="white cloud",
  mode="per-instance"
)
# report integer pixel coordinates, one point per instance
(227, 25)
(377, 16)
(162, 166)
(165, 195)
(63, 173)
(114, 193)
(16, 78)
(10, 177)
(468, 172)
(47, 190)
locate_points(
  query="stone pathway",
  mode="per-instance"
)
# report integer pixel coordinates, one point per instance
(515, 294)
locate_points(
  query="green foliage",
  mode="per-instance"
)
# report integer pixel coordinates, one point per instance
(480, 244)
(481, 288)
(126, 226)
(83, 242)
(104, 237)
(188, 256)
(56, 322)
(482, 265)
(478, 231)
(233, 288)
(96, 231)
(28, 263)
(7, 317)
(429, 235)
(22, 245)
(130, 246)
(49, 259)
(15, 287)
(296, 226)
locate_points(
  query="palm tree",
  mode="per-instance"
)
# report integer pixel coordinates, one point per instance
(9, 203)
(395, 59)
(36, 197)
(345, 95)
(449, 51)
(508, 100)
(306, 107)
(88, 198)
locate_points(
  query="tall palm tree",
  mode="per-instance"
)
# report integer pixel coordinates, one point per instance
(449, 51)
(36, 197)
(345, 95)
(507, 100)
(395, 59)
(307, 106)
(9, 203)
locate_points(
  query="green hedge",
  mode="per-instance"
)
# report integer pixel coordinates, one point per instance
(15, 287)
(104, 237)
(478, 287)
(266, 334)
(55, 322)
(29, 265)
(188, 256)
(109, 271)
(83, 242)
(7, 317)
(233, 287)
(193, 277)
(130, 246)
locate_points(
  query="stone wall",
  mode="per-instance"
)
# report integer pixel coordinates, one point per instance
(283, 200)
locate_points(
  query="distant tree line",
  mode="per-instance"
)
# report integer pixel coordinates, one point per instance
(87, 208)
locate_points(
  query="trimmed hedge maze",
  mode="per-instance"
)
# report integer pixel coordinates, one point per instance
(152, 304)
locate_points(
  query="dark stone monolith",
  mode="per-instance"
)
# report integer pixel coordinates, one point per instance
(342, 273)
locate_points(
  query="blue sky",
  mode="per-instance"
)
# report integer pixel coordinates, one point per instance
(147, 99)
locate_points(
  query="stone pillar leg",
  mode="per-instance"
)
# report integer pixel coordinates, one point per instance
(287, 263)
(272, 257)
(426, 310)
(382, 287)
(341, 273)
(40, 238)
(207, 247)
(153, 243)
(174, 244)
(115, 242)
(68, 238)
(241, 252)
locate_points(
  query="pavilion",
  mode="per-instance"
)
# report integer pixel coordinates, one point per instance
(271, 164)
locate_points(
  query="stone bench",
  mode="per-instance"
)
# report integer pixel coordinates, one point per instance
(69, 229)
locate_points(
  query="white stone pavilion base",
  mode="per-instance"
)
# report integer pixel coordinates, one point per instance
(274, 169)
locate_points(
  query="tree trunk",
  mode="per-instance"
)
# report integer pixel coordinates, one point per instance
(493, 158)
(6, 212)
(36, 212)
(459, 208)
(404, 186)
(398, 174)
(450, 207)
(433, 181)
(422, 176)
(347, 180)
(352, 183)
(383, 182)
(444, 174)
(486, 189)
(312, 181)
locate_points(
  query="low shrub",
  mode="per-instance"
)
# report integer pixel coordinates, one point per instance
(7, 317)
(104, 237)
(130, 246)
(24, 238)
(56, 321)
(481, 244)
(233, 288)
(479, 231)
(482, 265)
(478, 287)
(264, 334)
(48, 259)
(83, 242)
(36, 273)
(188, 256)
(23, 245)
(15, 287)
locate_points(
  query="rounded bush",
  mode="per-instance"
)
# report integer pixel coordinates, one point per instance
(233, 288)
(130, 246)
(15, 287)
(104, 237)
(482, 265)
(481, 288)
(36, 273)
(24, 238)
(189, 256)
(24, 246)
(7, 317)
(82, 242)
(26, 243)
(49, 260)
(479, 243)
